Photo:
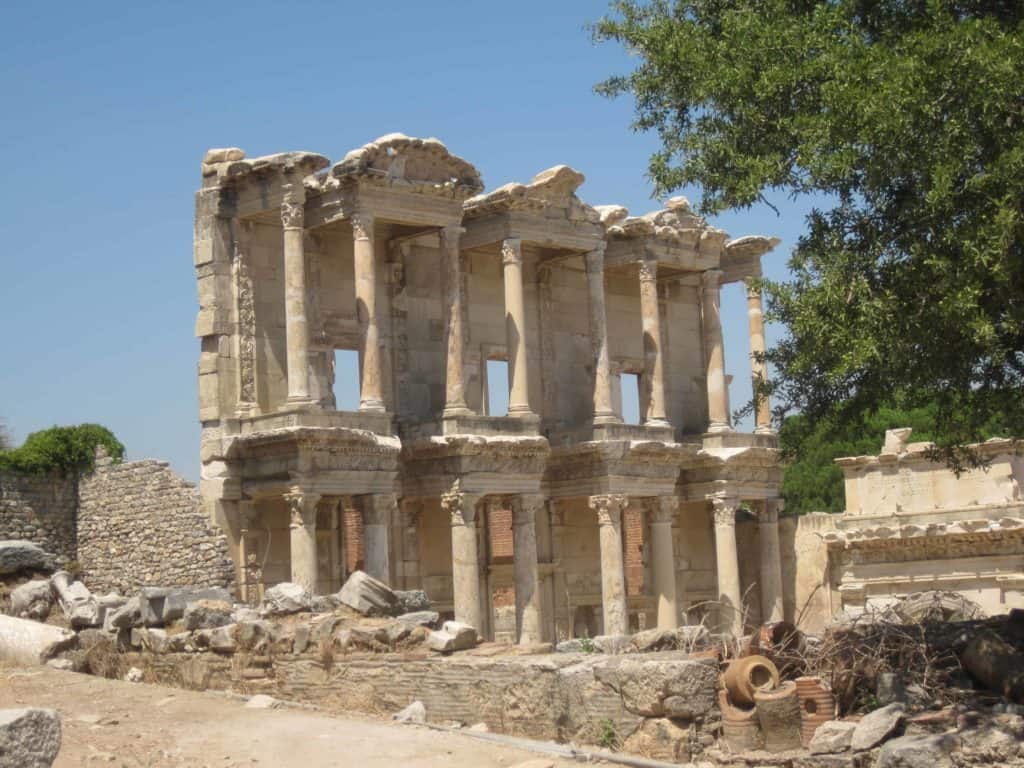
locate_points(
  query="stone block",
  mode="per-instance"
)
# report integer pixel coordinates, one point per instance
(29, 738)
(27, 642)
(410, 601)
(207, 614)
(614, 644)
(926, 751)
(127, 616)
(453, 636)
(368, 596)
(832, 736)
(660, 739)
(415, 714)
(32, 600)
(655, 640)
(286, 597)
(17, 556)
(646, 684)
(877, 726)
(420, 618)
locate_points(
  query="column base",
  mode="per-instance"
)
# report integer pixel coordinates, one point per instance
(522, 412)
(765, 430)
(372, 406)
(456, 409)
(299, 401)
(718, 428)
(657, 423)
(606, 418)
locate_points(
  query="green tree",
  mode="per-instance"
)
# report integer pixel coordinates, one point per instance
(68, 449)
(904, 119)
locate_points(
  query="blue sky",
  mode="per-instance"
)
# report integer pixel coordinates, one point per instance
(108, 108)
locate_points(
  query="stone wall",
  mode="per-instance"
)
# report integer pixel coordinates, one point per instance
(140, 524)
(41, 509)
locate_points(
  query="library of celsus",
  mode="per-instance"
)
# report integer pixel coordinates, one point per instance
(586, 524)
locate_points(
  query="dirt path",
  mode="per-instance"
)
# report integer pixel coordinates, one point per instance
(111, 723)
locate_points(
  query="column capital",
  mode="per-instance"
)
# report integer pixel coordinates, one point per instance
(594, 259)
(648, 270)
(663, 509)
(362, 225)
(301, 507)
(609, 508)
(451, 233)
(459, 505)
(525, 507)
(711, 279)
(511, 251)
(292, 206)
(377, 508)
(725, 509)
(770, 510)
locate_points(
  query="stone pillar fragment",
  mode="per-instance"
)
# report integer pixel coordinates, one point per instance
(718, 390)
(302, 530)
(461, 508)
(613, 577)
(758, 366)
(524, 550)
(653, 353)
(371, 383)
(454, 300)
(730, 616)
(296, 326)
(377, 509)
(663, 515)
(604, 413)
(771, 561)
(515, 329)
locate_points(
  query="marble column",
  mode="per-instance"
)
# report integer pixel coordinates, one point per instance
(718, 390)
(771, 561)
(371, 385)
(730, 610)
(653, 354)
(454, 300)
(515, 329)
(663, 515)
(604, 413)
(248, 561)
(377, 509)
(296, 326)
(613, 575)
(302, 531)
(461, 508)
(758, 366)
(524, 551)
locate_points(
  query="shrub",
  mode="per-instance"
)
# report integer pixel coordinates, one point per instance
(68, 449)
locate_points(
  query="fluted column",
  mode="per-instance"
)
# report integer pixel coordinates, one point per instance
(524, 551)
(302, 532)
(296, 327)
(613, 576)
(604, 413)
(663, 514)
(377, 509)
(771, 561)
(371, 383)
(461, 508)
(651, 317)
(515, 329)
(758, 366)
(727, 561)
(718, 391)
(455, 385)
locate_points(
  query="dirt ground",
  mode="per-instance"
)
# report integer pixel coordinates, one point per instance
(112, 723)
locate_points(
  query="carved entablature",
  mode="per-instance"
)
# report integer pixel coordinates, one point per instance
(742, 257)
(974, 536)
(554, 188)
(232, 168)
(750, 473)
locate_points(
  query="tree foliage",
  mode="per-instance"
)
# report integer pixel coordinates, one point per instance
(67, 449)
(904, 119)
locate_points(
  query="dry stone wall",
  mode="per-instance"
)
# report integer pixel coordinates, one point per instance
(140, 524)
(40, 509)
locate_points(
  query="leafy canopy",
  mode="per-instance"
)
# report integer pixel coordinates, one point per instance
(67, 449)
(904, 119)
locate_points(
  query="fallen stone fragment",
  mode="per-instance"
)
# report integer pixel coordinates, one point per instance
(415, 713)
(368, 596)
(245, 614)
(151, 605)
(574, 645)
(324, 603)
(127, 616)
(614, 644)
(286, 597)
(178, 600)
(655, 640)
(207, 614)
(411, 600)
(453, 636)
(262, 701)
(29, 738)
(32, 600)
(645, 685)
(660, 739)
(420, 618)
(876, 727)
(691, 636)
(27, 642)
(80, 607)
(831, 737)
(927, 751)
(17, 556)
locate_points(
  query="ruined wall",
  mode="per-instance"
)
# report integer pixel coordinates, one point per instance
(41, 509)
(141, 524)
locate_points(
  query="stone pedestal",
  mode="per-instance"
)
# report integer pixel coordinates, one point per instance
(613, 577)
(771, 561)
(461, 508)
(729, 597)
(604, 413)
(663, 564)
(718, 390)
(454, 301)
(371, 383)
(302, 532)
(377, 511)
(524, 549)
(296, 327)
(654, 359)
(758, 366)
(515, 329)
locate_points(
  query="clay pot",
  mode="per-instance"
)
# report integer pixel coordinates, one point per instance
(743, 677)
(817, 705)
(741, 731)
(778, 713)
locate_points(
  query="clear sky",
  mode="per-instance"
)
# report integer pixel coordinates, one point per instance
(107, 109)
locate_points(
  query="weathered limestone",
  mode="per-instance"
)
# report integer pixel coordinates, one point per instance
(662, 516)
(524, 547)
(718, 390)
(454, 301)
(377, 511)
(515, 327)
(17, 556)
(371, 396)
(650, 314)
(461, 510)
(302, 529)
(730, 603)
(604, 413)
(296, 324)
(613, 581)
(771, 561)
(29, 738)
(758, 366)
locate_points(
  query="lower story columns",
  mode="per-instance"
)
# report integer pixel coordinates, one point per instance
(613, 578)
(730, 616)
(524, 549)
(461, 508)
(377, 509)
(663, 514)
(771, 561)
(302, 532)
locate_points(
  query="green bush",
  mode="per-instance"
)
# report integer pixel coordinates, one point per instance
(68, 449)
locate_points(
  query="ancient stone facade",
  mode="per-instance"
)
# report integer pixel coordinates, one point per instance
(41, 509)
(912, 525)
(395, 253)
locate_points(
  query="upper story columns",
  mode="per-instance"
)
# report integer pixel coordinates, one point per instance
(454, 320)
(714, 349)
(604, 413)
(371, 397)
(296, 324)
(758, 366)
(515, 328)
(653, 354)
